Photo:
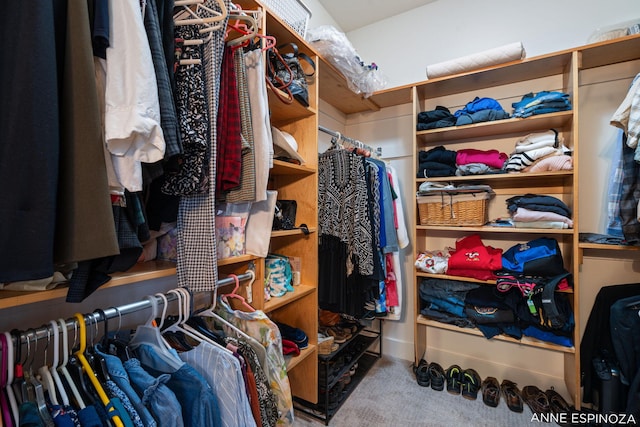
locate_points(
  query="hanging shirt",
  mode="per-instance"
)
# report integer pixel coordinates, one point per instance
(258, 325)
(132, 115)
(222, 371)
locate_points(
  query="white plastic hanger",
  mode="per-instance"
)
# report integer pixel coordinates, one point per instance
(184, 311)
(45, 374)
(63, 366)
(150, 335)
(9, 389)
(215, 17)
(32, 389)
(56, 360)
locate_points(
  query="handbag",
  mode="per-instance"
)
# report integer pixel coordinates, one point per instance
(285, 73)
(284, 217)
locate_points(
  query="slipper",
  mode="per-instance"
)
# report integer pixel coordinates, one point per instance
(490, 391)
(454, 379)
(556, 402)
(511, 395)
(470, 384)
(536, 399)
(422, 373)
(436, 375)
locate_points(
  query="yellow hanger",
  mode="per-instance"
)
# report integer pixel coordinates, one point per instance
(92, 376)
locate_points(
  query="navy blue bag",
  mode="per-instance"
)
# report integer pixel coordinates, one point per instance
(539, 257)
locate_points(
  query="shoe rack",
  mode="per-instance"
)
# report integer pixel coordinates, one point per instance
(340, 371)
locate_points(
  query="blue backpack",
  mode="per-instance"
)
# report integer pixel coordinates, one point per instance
(539, 257)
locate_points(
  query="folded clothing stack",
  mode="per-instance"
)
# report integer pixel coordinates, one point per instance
(441, 117)
(472, 258)
(436, 162)
(538, 152)
(539, 211)
(480, 110)
(541, 103)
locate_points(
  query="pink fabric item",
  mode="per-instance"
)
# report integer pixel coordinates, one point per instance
(390, 283)
(552, 163)
(492, 158)
(527, 215)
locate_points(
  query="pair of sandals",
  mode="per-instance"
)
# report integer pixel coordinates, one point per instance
(463, 381)
(549, 401)
(430, 375)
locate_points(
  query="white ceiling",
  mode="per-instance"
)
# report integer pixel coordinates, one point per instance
(353, 14)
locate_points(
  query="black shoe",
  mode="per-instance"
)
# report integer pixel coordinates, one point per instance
(422, 373)
(470, 384)
(454, 379)
(436, 375)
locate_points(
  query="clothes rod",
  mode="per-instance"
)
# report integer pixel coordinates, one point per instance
(360, 144)
(113, 312)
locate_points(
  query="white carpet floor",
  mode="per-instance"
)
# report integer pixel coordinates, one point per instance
(389, 396)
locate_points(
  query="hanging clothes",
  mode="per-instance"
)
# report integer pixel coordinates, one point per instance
(263, 140)
(57, 72)
(258, 325)
(197, 266)
(132, 116)
(223, 373)
(193, 113)
(343, 210)
(228, 141)
(627, 118)
(247, 190)
(352, 227)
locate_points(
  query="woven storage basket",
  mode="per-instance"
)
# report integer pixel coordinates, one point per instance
(461, 209)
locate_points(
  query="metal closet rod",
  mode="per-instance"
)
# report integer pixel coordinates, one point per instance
(113, 312)
(360, 144)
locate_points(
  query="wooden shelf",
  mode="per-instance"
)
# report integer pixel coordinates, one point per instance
(470, 280)
(488, 229)
(281, 233)
(600, 246)
(609, 52)
(459, 278)
(300, 291)
(335, 90)
(492, 128)
(526, 341)
(296, 360)
(281, 167)
(282, 114)
(516, 177)
(237, 260)
(140, 272)
(502, 74)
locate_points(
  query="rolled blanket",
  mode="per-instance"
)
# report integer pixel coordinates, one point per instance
(499, 55)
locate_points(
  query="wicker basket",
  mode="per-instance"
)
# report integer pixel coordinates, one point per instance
(293, 12)
(458, 209)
